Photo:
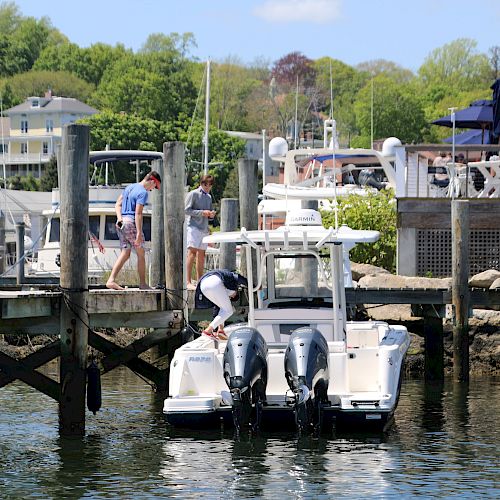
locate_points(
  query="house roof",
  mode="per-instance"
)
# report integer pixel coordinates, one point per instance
(243, 135)
(53, 105)
(15, 201)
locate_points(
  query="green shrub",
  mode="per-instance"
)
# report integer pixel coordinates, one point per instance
(376, 211)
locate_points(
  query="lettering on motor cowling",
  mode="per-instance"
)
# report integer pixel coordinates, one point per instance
(200, 359)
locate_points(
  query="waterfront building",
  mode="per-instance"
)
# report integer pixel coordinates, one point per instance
(32, 131)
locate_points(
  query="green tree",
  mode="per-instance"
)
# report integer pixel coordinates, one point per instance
(125, 131)
(155, 85)
(10, 17)
(224, 151)
(19, 183)
(88, 64)
(388, 68)
(175, 43)
(456, 65)
(397, 111)
(36, 83)
(375, 212)
(49, 178)
(21, 46)
(343, 82)
(231, 88)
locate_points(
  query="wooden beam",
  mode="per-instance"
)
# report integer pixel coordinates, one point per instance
(51, 325)
(122, 355)
(137, 365)
(156, 319)
(19, 370)
(35, 360)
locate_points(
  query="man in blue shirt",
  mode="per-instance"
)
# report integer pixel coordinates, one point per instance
(129, 214)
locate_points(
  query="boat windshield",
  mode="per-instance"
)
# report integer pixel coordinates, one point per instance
(299, 276)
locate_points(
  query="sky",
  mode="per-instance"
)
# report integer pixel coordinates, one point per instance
(353, 31)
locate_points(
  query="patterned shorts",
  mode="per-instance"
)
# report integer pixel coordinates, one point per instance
(127, 235)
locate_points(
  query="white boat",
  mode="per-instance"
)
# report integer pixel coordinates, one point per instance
(298, 362)
(103, 245)
(325, 174)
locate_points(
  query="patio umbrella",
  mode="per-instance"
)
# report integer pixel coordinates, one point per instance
(496, 109)
(470, 137)
(479, 115)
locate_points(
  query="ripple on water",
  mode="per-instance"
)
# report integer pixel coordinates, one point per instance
(444, 443)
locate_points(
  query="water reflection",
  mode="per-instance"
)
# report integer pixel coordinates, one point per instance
(444, 443)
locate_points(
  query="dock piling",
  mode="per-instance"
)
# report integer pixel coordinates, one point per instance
(248, 190)
(20, 252)
(228, 222)
(173, 210)
(460, 287)
(74, 319)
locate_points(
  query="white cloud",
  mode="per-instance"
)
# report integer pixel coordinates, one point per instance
(306, 11)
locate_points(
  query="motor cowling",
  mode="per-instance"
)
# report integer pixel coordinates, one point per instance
(245, 359)
(245, 373)
(306, 364)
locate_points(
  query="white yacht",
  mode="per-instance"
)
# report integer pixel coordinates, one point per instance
(299, 361)
(103, 244)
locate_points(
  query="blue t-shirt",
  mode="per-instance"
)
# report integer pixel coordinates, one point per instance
(133, 195)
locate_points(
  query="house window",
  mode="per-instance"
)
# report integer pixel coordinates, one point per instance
(24, 126)
(35, 103)
(45, 148)
(49, 125)
(24, 148)
(4, 148)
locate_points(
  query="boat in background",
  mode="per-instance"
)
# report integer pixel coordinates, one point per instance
(104, 244)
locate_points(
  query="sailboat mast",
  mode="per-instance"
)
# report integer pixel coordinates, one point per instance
(207, 120)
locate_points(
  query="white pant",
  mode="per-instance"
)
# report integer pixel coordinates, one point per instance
(215, 291)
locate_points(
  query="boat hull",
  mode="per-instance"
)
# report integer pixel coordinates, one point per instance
(283, 419)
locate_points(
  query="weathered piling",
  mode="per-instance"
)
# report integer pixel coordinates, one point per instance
(433, 342)
(311, 265)
(3, 249)
(173, 211)
(460, 287)
(248, 190)
(228, 222)
(74, 320)
(20, 252)
(157, 273)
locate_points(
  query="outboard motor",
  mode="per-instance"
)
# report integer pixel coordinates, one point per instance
(306, 371)
(245, 373)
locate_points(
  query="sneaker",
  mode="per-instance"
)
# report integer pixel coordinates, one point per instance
(211, 335)
(222, 336)
(191, 286)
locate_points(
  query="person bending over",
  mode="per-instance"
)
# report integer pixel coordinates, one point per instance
(216, 289)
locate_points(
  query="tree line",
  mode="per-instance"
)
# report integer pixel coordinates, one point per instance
(155, 94)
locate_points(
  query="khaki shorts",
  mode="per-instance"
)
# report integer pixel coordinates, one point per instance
(195, 238)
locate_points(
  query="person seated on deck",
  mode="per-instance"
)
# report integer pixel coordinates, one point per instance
(440, 177)
(368, 178)
(217, 289)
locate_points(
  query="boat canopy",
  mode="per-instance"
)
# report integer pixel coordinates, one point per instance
(97, 157)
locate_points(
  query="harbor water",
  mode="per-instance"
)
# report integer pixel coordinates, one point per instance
(444, 443)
